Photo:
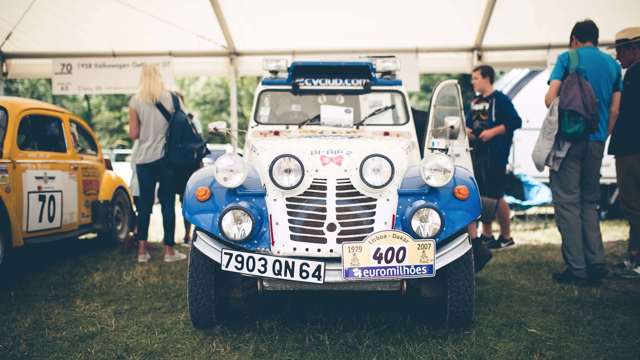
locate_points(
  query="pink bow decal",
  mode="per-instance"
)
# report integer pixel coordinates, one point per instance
(326, 160)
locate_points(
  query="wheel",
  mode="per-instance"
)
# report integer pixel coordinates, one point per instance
(5, 241)
(121, 219)
(206, 302)
(460, 292)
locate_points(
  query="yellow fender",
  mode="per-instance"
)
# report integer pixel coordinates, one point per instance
(110, 183)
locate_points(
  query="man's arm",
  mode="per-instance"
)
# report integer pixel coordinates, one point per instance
(553, 92)
(614, 110)
(489, 134)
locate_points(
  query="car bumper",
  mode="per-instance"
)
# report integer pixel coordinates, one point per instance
(451, 251)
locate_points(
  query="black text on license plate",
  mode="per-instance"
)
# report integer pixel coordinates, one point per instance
(272, 266)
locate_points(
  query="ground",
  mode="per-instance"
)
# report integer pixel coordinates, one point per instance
(80, 299)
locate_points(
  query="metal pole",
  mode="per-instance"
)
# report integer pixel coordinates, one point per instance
(233, 100)
(2, 65)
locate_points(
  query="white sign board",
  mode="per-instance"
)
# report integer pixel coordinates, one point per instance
(117, 75)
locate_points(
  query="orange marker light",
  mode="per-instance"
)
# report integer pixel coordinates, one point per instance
(203, 193)
(461, 192)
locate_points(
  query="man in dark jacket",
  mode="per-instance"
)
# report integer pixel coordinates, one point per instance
(625, 146)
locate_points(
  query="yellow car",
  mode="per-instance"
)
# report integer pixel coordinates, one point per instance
(54, 181)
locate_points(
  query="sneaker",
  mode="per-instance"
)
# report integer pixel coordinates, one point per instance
(597, 272)
(481, 254)
(186, 244)
(486, 239)
(144, 258)
(567, 277)
(177, 256)
(628, 270)
(501, 243)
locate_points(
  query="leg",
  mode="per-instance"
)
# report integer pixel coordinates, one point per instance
(504, 219)
(487, 229)
(147, 178)
(589, 200)
(628, 173)
(565, 187)
(167, 197)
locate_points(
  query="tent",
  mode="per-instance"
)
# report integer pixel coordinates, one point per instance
(231, 37)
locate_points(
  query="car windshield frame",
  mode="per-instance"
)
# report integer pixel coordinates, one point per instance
(4, 127)
(329, 93)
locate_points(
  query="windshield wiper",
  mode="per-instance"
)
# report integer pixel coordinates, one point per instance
(305, 122)
(375, 112)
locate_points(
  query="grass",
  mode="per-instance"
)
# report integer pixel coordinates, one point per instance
(79, 299)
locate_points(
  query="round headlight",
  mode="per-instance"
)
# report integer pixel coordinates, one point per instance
(236, 224)
(426, 223)
(437, 170)
(286, 172)
(376, 171)
(230, 170)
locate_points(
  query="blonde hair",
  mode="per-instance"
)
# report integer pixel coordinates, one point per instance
(151, 85)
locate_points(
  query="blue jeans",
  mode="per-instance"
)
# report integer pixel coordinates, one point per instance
(149, 175)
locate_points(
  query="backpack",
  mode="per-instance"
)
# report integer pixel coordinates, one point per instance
(184, 147)
(578, 112)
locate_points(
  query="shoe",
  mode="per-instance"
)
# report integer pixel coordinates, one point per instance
(486, 239)
(144, 258)
(186, 244)
(177, 256)
(597, 272)
(567, 277)
(481, 254)
(501, 243)
(628, 270)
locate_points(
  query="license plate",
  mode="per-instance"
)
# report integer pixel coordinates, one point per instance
(272, 266)
(388, 254)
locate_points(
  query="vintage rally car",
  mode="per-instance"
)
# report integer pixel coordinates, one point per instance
(54, 181)
(334, 193)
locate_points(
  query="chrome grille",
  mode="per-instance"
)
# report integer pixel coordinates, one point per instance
(308, 213)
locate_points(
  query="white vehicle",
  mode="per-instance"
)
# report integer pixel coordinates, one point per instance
(332, 194)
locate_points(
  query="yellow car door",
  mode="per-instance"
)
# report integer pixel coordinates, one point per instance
(47, 187)
(89, 166)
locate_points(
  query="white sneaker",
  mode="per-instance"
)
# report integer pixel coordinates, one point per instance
(144, 258)
(186, 244)
(177, 256)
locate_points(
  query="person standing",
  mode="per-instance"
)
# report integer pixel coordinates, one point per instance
(149, 127)
(491, 122)
(576, 184)
(624, 145)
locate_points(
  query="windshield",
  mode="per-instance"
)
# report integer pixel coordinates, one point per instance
(278, 107)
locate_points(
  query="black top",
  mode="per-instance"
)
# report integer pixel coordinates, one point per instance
(625, 138)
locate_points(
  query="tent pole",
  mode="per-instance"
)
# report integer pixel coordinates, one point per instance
(2, 67)
(233, 100)
(482, 30)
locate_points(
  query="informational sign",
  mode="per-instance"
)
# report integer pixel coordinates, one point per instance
(50, 200)
(117, 75)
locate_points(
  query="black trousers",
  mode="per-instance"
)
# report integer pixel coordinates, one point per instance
(150, 174)
(628, 173)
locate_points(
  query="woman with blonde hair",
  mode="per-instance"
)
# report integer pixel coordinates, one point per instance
(149, 127)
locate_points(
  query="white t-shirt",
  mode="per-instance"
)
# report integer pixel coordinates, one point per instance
(153, 129)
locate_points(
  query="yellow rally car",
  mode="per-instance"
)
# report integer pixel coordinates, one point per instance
(54, 181)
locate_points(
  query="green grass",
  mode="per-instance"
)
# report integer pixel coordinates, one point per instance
(78, 299)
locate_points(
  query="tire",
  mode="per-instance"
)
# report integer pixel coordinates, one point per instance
(206, 302)
(459, 297)
(5, 240)
(121, 220)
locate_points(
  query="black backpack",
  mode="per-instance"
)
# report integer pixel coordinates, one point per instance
(184, 147)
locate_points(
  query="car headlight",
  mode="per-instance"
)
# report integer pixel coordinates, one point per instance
(236, 224)
(426, 223)
(376, 171)
(437, 169)
(230, 170)
(286, 171)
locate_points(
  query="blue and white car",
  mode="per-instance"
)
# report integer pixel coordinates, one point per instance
(334, 193)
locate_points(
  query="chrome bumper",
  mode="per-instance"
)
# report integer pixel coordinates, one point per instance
(333, 269)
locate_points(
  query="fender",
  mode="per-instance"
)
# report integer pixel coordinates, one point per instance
(110, 183)
(206, 215)
(456, 214)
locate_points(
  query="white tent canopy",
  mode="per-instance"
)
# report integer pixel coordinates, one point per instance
(202, 35)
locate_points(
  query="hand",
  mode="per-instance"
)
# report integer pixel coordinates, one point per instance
(487, 135)
(470, 134)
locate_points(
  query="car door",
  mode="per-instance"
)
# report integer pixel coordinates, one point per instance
(446, 127)
(47, 188)
(89, 167)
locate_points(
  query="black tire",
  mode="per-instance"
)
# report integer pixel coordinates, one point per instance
(205, 300)
(459, 297)
(121, 220)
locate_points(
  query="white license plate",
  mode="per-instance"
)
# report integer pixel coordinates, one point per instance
(272, 266)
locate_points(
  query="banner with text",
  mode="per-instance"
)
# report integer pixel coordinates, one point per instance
(79, 76)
